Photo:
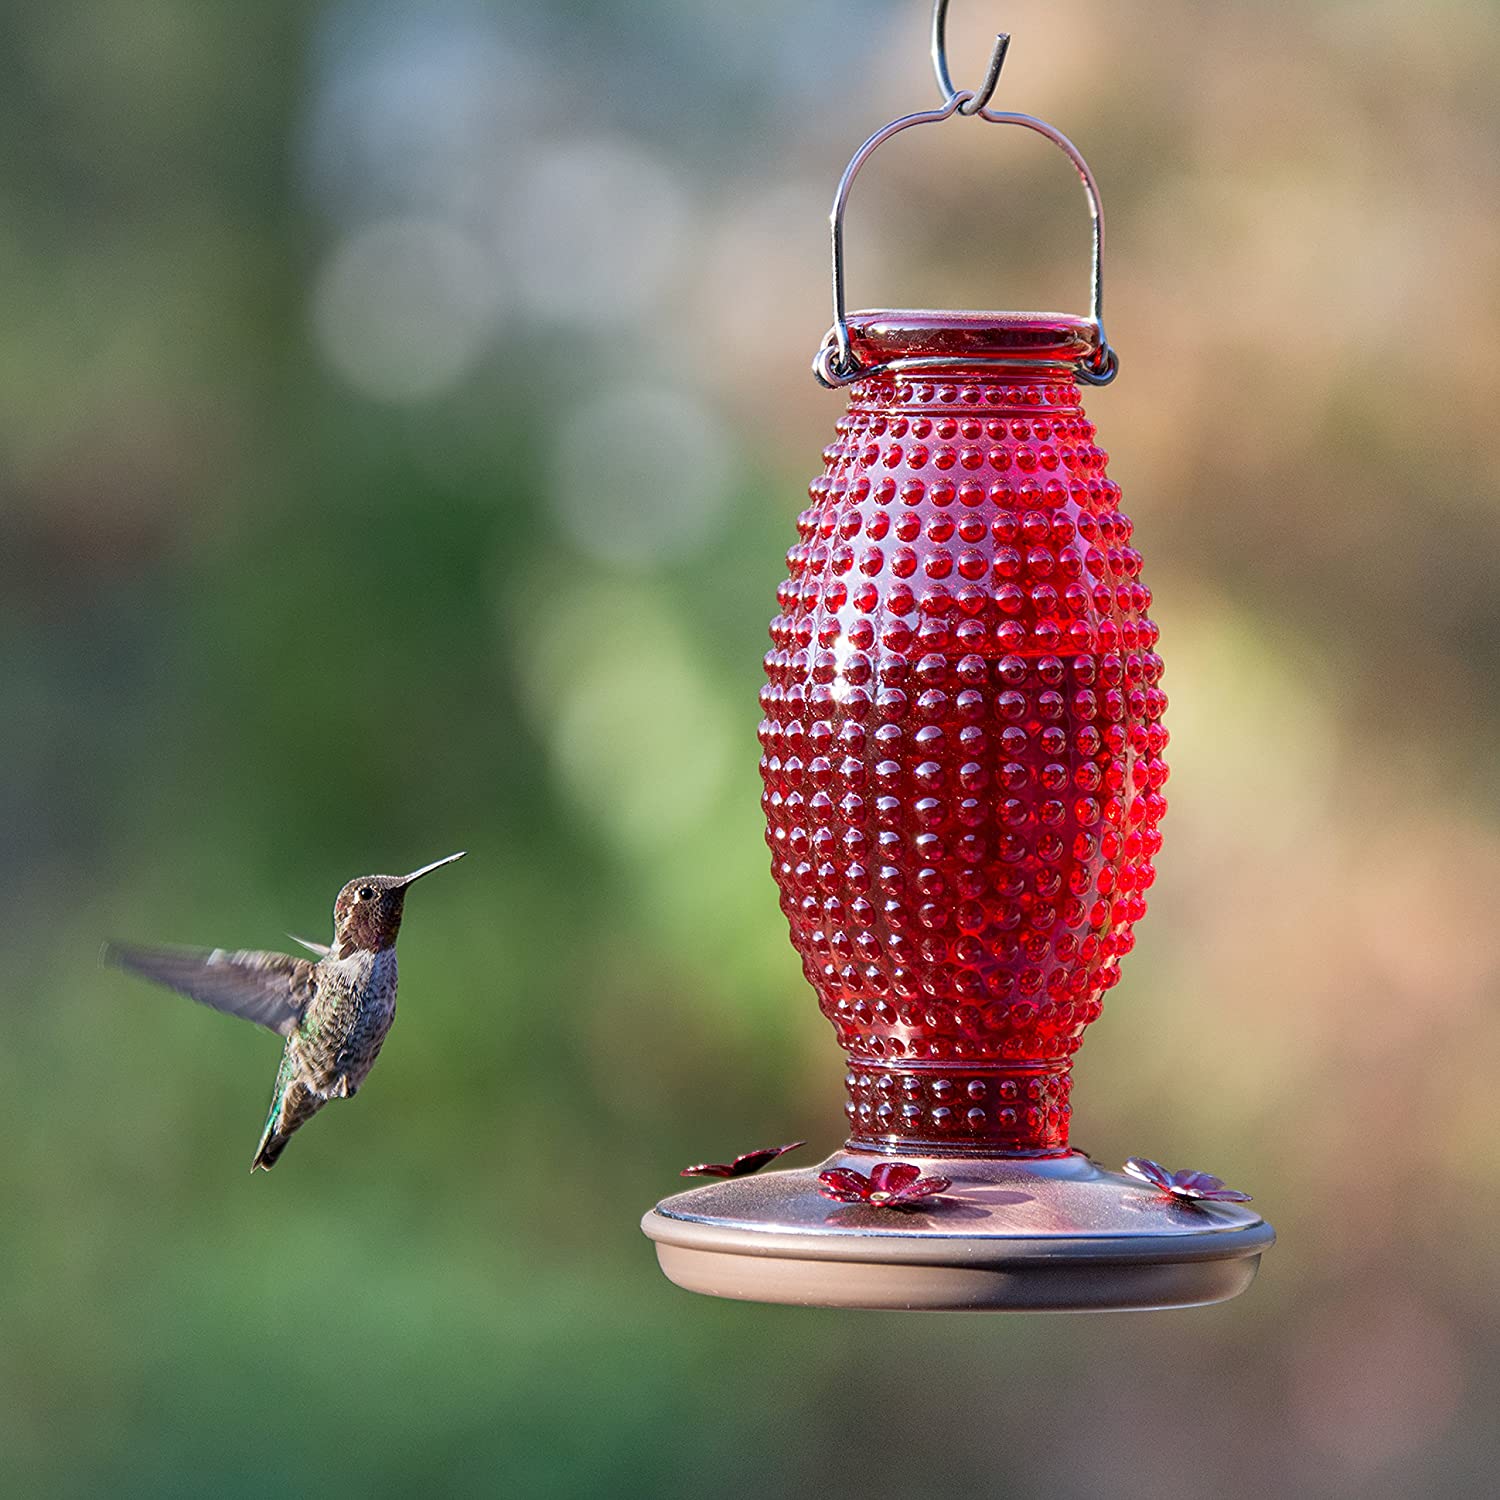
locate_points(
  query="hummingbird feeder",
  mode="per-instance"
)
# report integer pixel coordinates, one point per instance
(963, 785)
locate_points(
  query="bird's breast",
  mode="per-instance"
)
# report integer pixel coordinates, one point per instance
(364, 975)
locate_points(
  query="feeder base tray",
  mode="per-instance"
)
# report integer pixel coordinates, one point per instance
(1050, 1234)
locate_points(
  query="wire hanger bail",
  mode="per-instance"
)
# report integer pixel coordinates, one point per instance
(836, 363)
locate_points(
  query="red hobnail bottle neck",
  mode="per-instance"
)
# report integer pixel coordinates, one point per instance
(959, 1108)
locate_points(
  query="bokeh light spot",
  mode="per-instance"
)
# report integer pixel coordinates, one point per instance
(602, 233)
(642, 475)
(405, 308)
(636, 729)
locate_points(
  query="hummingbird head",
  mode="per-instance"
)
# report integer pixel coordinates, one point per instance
(367, 913)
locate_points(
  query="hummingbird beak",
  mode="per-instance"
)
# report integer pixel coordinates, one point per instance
(437, 864)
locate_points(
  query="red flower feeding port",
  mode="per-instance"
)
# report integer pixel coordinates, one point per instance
(963, 785)
(1187, 1187)
(891, 1184)
(745, 1165)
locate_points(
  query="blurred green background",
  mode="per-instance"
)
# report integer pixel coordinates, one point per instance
(403, 412)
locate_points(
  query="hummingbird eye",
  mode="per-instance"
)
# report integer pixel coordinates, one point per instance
(364, 893)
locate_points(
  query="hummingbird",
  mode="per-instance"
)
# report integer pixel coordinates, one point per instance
(334, 1009)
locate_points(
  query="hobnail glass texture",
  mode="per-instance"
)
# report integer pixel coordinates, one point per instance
(963, 736)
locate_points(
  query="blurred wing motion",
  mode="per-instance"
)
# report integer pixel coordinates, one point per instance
(271, 989)
(321, 949)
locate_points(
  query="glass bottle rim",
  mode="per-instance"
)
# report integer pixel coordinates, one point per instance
(882, 336)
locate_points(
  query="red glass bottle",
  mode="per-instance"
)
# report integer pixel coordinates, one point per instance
(963, 791)
(962, 732)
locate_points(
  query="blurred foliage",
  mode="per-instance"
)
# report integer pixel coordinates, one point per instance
(314, 558)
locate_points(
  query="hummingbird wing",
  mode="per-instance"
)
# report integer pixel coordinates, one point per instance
(321, 949)
(271, 989)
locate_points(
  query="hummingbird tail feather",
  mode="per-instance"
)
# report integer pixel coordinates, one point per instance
(292, 1108)
(272, 1144)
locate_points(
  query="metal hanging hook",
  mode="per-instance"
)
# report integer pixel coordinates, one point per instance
(836, 363)
(979, 100)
